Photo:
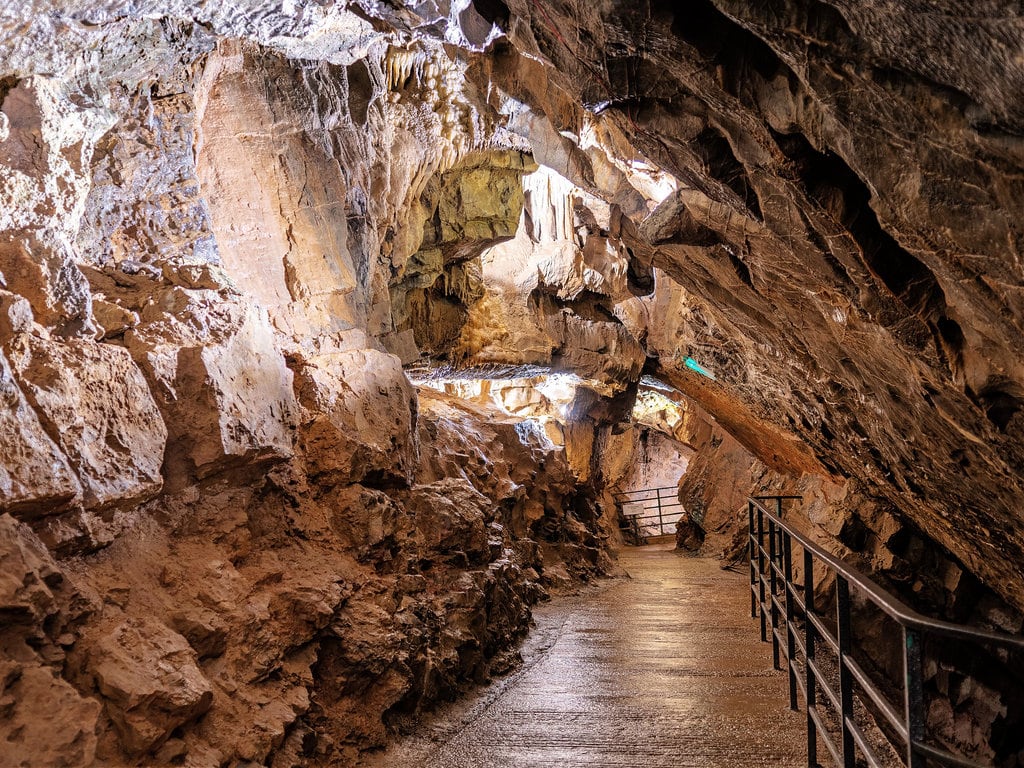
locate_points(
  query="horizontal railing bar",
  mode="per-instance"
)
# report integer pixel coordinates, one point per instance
(800, 645)
(820, 678)
(769, 561)
(646, 490)
(797, 601)
(945, 757)
(876, 696)
(644, 517)
(781, 606)
(782, 642)
(765, 498)
(801, 685)
(862, 742)
(897, 609)
(825, 736)
(665, 502)
(767, 585)
(653, 503)
(823, 632)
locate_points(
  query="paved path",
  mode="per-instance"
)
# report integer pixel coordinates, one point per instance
(663, 669)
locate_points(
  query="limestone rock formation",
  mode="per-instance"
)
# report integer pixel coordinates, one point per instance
(36, 477)
(45, 719)
(94, 402)
(361, 417)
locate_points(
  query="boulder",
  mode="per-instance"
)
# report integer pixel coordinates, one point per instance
(93, 400)
(205, 631)
(451, 518)
(27, 573)
(359, 419)
(43, 720)
(15, 315)
(35, 477)
(219, 380)
(366, 519)
(148, 675)
(113, 319)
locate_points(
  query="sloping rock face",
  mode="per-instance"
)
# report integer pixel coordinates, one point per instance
(854, 286)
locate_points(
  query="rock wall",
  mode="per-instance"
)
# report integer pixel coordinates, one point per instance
(300, 615)
(231, 529)
(973, 708)
(854, 285)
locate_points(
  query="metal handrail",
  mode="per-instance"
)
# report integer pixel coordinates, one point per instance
(636, 523)
(771, 576)
(647, 490)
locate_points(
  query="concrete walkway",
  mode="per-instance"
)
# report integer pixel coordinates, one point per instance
(663, 669)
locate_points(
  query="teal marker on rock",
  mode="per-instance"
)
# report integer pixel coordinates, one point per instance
(696, 367)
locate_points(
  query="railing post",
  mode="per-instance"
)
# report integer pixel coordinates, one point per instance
(845, 678)
(787, 565)
(661, 521)
(774, 590)
(811, 692)
(750, 547)
(778, 514)
(913, 695)
(760, 574)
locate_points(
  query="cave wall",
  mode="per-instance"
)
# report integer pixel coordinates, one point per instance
(860, 282)
(973, 700)
(232, 530)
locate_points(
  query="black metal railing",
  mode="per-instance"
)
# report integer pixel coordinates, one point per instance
(776, 597)
(653, 511)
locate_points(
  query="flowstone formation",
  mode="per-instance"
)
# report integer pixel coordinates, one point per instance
(233, 530)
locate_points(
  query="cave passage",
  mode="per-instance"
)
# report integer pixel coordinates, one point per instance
(663, 668)
(330, 332)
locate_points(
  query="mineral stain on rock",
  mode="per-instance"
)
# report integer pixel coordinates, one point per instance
(328, 332)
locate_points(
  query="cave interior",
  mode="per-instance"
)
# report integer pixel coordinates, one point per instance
(332, 333)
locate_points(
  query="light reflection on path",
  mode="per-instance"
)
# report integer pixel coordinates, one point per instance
(663, 669)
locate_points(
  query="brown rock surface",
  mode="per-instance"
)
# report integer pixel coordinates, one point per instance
(94, 403)
(360, 417)
(219, 379)
(35, 478)
(148, 676)
(43, 719)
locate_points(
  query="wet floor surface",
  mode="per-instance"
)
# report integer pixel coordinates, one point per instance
(662, 669)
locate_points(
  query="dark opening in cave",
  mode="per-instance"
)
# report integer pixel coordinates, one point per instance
(830, 182)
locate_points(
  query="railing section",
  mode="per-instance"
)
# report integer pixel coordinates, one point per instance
(650, 511)
(818, 647)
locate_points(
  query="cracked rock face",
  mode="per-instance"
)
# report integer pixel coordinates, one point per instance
(232, 529)
(857, 287)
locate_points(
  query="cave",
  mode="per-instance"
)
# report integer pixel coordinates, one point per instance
(343, 344)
